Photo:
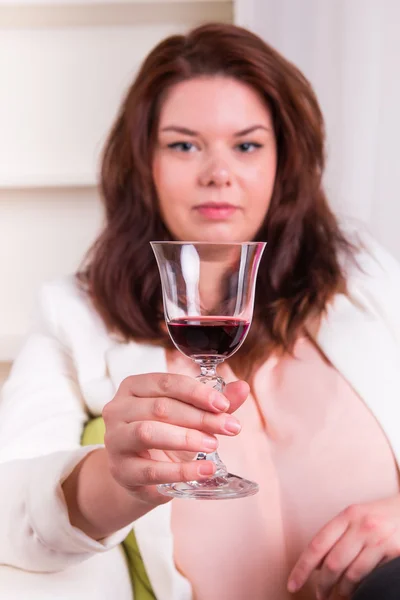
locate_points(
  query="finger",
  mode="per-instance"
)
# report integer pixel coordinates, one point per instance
(366, 561)
(181, 387)
(236, 392)
(343, 553)
(146, 435)
(168, 410)
(380, 544)
(316, 551)
(142, 471)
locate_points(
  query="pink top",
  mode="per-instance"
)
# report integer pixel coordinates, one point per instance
(321, 451)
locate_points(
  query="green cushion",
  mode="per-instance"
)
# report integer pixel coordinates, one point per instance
(94, 434)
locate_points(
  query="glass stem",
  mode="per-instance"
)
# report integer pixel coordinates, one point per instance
(208, 376)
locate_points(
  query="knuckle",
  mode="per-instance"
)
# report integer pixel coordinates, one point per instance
(182, 472)
(332, 564)
(195, 392)
(205, 421)
(107, 411)
(160, 408)
(164, 382)
(124, 475)
(144, 432)
(301, 570)
(115, 470)
(316, 544)
(149, 474)
(190, 439)
(352, 576)
(370, 523)
(196, 389)
(212, 423)
(127, 385)
(353, 512)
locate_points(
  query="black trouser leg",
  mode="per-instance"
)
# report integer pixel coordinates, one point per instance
(383, 583)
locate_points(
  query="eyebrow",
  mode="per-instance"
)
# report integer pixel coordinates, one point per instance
(185, 131)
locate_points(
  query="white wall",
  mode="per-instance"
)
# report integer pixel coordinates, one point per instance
(350, 51)
(43, 233)
(63, 69)
(61, 84)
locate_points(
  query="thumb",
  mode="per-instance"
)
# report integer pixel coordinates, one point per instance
(236, 392)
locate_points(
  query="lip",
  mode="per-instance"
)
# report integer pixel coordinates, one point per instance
(216, 210)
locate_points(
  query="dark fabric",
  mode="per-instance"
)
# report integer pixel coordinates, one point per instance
(383, 583)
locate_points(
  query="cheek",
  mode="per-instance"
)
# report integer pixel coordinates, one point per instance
(171, 181)
(173, 192)
(259, 185)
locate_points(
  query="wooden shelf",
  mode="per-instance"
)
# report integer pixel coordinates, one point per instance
(65, 85)
(108, 14)
(55, 3)
(53, 181)
(64, 42)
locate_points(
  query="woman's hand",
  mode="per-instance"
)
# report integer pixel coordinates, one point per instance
(349, 547)
(156, 424)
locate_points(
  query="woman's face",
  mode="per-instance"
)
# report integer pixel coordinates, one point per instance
(215, 160)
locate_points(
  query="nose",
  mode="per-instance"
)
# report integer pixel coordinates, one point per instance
(215, 174)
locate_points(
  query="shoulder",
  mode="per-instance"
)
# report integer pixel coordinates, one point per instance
(63, 307)
(373, 277)
(373, 262)
(62, 289)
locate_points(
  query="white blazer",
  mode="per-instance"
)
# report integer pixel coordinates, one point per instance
(70, 367)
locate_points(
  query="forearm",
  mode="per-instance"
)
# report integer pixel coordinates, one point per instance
(97, 504)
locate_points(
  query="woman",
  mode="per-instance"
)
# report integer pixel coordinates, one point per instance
(219, 138)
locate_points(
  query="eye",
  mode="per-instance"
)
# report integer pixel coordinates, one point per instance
(248, 147)
(182, 146)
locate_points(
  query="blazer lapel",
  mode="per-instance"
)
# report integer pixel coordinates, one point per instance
(133, 359)
(153, 530)
(356, 340)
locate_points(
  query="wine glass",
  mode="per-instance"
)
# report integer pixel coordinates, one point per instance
(208, 295)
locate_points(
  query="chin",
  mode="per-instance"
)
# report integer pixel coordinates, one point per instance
(218, 234)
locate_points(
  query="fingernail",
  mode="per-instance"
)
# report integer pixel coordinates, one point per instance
(232, 425)
(219, 402)
(209, 443)
(206, 468)
(292, 586)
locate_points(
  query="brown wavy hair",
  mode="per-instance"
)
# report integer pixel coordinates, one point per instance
(301, 269)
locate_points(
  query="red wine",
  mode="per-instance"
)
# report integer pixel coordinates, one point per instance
(208, 336)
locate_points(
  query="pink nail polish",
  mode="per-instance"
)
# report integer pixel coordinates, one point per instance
(232, 425)
(209, 443)
(205, 469)
(219, 402)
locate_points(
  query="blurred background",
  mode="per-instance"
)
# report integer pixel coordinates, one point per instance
(65, 64)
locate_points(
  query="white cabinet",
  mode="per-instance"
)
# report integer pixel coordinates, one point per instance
(64, 67)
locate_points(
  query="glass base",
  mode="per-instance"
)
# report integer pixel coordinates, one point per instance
(215, 488)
